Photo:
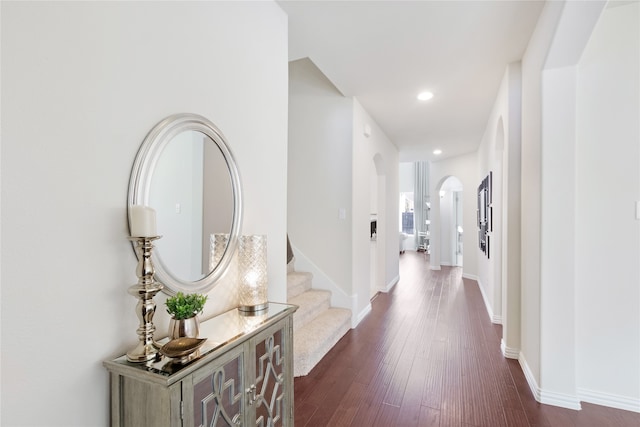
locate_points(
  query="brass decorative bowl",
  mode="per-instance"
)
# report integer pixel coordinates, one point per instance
(180, 348)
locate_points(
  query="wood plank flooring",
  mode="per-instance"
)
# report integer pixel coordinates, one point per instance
(427, 355)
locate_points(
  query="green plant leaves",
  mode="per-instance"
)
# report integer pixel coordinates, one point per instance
(183, 306)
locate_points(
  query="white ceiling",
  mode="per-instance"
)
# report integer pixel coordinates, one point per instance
(385, 52)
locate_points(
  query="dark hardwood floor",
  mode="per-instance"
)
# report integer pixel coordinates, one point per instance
(427, 355)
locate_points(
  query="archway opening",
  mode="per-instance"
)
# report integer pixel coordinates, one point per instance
(450, 193)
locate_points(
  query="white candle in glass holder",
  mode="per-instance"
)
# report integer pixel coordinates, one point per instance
(142, 221)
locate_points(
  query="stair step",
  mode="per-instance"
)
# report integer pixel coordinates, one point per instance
(297, 283)
(315, 339)
(311, 303)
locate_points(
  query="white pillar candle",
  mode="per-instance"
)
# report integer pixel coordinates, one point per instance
(142, 221)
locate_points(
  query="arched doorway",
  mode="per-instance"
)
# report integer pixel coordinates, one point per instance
(450, 193)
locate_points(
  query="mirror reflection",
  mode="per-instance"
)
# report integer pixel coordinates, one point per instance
(191, 191)
(186, 172)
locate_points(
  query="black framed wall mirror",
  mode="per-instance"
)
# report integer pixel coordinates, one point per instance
(485, 214)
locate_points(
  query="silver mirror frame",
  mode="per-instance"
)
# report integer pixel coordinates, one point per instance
(139, 190)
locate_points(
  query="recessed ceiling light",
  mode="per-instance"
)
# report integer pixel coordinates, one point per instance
(424, 96)
(437, 152)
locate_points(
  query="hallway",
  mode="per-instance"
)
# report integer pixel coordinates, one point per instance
(427, 355)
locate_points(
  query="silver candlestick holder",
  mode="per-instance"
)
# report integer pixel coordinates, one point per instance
(145, 290)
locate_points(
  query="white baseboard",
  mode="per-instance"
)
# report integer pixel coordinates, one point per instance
(508, 352)
(584, 395)
(434, 267)
(562, 400)
(495, 319)
(391, 284)
(360, 316)
(533, 384)
(610, 400)
(544, 396)
(469, 276)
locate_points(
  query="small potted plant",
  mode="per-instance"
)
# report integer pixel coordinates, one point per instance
(184, 309)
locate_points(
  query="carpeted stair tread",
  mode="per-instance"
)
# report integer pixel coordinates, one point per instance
(312, 341)
(297, 283)
(311, 303)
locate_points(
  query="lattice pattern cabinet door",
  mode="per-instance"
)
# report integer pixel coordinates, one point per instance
(218, 391)
(271, 399)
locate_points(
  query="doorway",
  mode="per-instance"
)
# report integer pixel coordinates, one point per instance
(451, 230)
(457, 202)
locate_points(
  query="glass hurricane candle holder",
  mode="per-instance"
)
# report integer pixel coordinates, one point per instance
(252, 268)
(218, 243)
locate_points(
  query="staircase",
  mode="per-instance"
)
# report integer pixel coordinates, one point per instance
(317, 326)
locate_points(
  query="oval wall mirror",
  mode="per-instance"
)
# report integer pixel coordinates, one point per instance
(185, 170)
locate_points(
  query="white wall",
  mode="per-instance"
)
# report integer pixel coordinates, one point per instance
(407, 178)
(580, 323)
(373, 154)
(607, 235)
(447, 221)
(557, 282)
(82, 84)
(508, 217)
(558, 382)
(448, 217)
(407, 184)
(532, 65)
(319, 180)
(489, 161)
(499, 154)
